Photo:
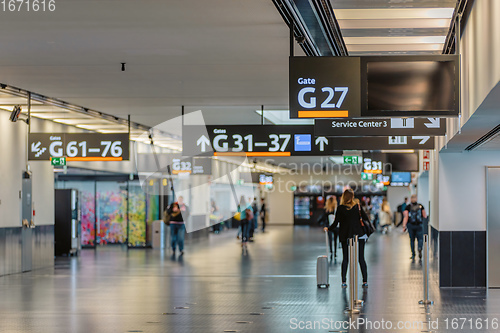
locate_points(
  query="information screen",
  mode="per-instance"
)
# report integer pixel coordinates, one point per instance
(401, 178)
(411, 86)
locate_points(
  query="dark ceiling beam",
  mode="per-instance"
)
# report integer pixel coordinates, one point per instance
(463, 9)
(315, 27)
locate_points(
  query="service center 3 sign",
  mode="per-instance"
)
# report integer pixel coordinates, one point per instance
(380, 126)
(79, 146)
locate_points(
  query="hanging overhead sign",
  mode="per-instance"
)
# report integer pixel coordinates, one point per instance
(253, 140)
(274, 140)
(380, 126)
(78, 146)
(374, 86)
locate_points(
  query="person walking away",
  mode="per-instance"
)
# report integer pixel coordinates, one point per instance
(326, 219)
(401, 208)
(263, 213)
(414, 215)
(242, 215)
(184, 208)
(385, 216)
(253, 222)
(245, 228)
(214, 218)
(177, 227)
(348, 216)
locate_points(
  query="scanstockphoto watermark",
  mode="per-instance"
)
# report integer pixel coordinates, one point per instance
(354, 324)
(323, 166)
(334, 184)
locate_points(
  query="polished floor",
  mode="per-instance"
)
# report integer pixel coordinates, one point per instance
(215, 287)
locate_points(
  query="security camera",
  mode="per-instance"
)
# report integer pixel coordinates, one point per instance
(300, 39)
(15, 113)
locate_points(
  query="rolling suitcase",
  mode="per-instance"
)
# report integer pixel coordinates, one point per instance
(322, 272)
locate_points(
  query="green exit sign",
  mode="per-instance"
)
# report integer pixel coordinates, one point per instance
(58, 161)
(352, 159)
(366, 176)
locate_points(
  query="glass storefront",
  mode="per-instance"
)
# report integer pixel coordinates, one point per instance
(106, 218)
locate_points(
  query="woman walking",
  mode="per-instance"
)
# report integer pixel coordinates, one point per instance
(385, 216)
(327, 219)
(348, 217)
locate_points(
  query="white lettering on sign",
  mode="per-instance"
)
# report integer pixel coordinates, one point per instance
(344, 124)
(219, 131)
(306, 81)
(373, 124)
(56, 152)
(312, 101)
(54, 138)
(326, 104)
(217, 146)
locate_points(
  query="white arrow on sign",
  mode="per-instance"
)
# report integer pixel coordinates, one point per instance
(322, 141)
(423, 139)
(204, 142)
(434, 123)
(35, 147)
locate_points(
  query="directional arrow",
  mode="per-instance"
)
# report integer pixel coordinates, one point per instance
(35, 147)
(423, 138)
(434, 123)
(204, 142)
(322, 142)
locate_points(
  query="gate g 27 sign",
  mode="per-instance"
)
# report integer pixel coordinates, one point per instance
(326, 87)
(374, 86)
(79, 146)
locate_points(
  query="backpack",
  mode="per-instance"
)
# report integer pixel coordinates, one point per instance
(400, 208)
(415, 214)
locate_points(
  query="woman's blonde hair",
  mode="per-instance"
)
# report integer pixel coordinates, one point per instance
(331, 204)
(348, 198)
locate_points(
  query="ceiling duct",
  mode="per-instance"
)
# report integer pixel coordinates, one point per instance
(484, 139)
(315, 27)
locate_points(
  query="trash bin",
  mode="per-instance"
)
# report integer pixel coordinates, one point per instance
(158, 234)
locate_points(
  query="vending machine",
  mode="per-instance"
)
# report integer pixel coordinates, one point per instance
(67, 222)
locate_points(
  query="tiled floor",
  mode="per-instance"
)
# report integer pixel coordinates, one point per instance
(216, 288)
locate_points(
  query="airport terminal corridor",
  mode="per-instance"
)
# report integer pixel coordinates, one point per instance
(215, 287)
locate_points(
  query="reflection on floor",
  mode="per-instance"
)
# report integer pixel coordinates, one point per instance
(215, 288)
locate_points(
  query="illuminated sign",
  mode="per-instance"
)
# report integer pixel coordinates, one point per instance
(84, 147)
(283, 140)
(324, 87)
(265, 180)
(371, 166)
(374, 86)
(380, 127)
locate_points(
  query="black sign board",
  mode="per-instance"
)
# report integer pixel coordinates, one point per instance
(384, 143)
(324, 87)
(374, 86)
(380, 126)
(274, 140)
(79, 146)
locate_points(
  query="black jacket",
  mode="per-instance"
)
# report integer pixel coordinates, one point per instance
(324, 218)
(348, 219)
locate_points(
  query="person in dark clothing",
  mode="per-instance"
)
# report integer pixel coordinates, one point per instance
(253, 222)
(401, 208)
(414, 215)
(348, 217)
(263, 213)
(177, 226)
(327, 219)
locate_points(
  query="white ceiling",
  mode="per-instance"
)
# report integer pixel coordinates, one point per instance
(224, 56)
(394, 26)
